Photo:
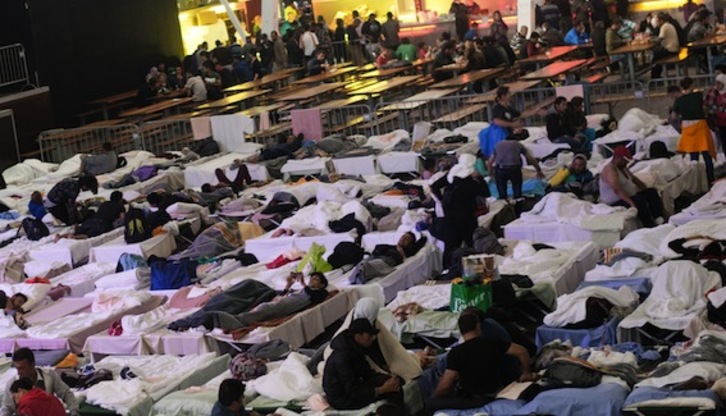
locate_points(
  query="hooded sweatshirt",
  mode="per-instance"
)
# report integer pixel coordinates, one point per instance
(346, 373)
(39, 403)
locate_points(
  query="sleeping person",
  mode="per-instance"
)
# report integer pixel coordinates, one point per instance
(13, 307)
(385, 257)
(313, 292)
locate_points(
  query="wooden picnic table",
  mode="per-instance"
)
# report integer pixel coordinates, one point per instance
(159, 107)
(106, 123)
(389, 72)
(514, 88)
(272, 78)
(632, 48)
(708, 43)
(469, 78)
(383, 86)
(168, 95)
(308, 93)
(554, 70)
(551, 54)
(341, 102)
(238, 99)
(420, 99)
(113, 100)
(257, 110)
(325, 76)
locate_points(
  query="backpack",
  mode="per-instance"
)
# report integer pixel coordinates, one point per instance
(172, 275)
(245, 367)
(486, 242)
(344, 253)
(129, 261)
(34, 229)
(136, 228)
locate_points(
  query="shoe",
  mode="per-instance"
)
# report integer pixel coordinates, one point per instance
(127, 374)
(659, 221)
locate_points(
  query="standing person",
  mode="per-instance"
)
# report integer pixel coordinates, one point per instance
(341, 53)
(505, 121)
(294, 53)
(279, 53)
(695, 133)
(267, 53)
(372, 33)
(458, 191)
(507, 158)
(669, 42)
(499, 30)
(230, 399)
(355, 39)
(61, 200)
(390, 29)
(551, 14)
(716, 108)
(461, 16)
(619, 187)
(565, 9)
(44, 378)
(308, 43)
(325, 40)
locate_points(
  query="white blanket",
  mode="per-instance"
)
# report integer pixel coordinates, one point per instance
(715, 229)
(571, 307)
(567, 209)
(677, 297)
(707, 370)
(291, 381)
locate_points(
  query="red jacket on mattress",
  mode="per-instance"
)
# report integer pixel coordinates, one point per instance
(37, 402)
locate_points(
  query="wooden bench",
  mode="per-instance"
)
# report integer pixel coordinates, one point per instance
(597, 77)
(678, 61)
(533, 109)
(461, 114)
(376, 122)
(260, 136)
(84, 115)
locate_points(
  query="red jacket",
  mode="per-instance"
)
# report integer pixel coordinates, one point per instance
(39, 403)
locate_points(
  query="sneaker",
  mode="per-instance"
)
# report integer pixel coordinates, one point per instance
(659, 221)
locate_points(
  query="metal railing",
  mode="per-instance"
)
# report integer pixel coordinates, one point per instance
(13, 65)
(610, 94)
(446, 112)
(160, 137)
(658, 88)
(60, 144)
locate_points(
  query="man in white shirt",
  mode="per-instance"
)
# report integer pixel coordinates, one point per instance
(44, 378)
(196, 88)
(669, 43)
(308, 43)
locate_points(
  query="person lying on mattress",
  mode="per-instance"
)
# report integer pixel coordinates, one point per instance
(44, 378)
(14, 307)
(109, 216)
(385, 257)
(699, 247)
(479, 367)
(348, 380)
(313, 292)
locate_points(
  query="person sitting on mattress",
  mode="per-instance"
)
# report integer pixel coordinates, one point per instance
(313, 292)
(620, 187)
(44, 378)
(61, 199)
(33, 401)
(349, 381)
(35, 206)
(385, 257)
(109, 216)
(230, 399)
(475, 369)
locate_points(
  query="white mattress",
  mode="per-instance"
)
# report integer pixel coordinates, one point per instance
(161, 245)
(399, 162)
(551, 231)
(356, 166)
(196, 175)
(267, 249)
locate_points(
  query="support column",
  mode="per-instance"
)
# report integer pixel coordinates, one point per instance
(271, 16)
(235, 21)
(525, 14)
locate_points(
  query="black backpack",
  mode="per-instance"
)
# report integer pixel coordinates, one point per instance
(136, 228)
(34, 229)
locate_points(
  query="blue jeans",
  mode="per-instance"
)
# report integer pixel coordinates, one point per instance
(505, 174)
(709, 164)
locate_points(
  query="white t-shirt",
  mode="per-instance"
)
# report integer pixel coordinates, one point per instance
(308, 43)
(197, 87)
(669, 37)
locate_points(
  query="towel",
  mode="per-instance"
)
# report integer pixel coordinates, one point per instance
(201, 128)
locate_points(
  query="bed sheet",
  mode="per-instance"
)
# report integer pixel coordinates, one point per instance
(70, 251)
(197, 174)
(399, 162)
(312, 166)
(551, 231)
(641, 285)
(71, 331)
(266, 249)
(665, 397)
(356, 166)
(605, 334)
(161, 245)
(692, 180)
(157, 377)
(605, 399)
(712, 205)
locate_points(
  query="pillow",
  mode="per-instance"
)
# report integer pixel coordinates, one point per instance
(35, 292)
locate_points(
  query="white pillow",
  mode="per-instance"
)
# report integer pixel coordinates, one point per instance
(35, 292)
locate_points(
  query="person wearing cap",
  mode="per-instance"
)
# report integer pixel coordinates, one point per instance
(61, 200)
(696, 137)
(620, 187)
(505, 165)
(716, 108)
(313, 292)
(474, 369)
(349, 381)
(459, 192)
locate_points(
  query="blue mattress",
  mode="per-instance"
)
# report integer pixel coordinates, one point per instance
(603, 400)
(605, 334)
(529, 187)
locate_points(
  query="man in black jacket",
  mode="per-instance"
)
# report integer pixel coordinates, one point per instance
(349, 381)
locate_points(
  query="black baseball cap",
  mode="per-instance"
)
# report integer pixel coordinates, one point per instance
(362, 326)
